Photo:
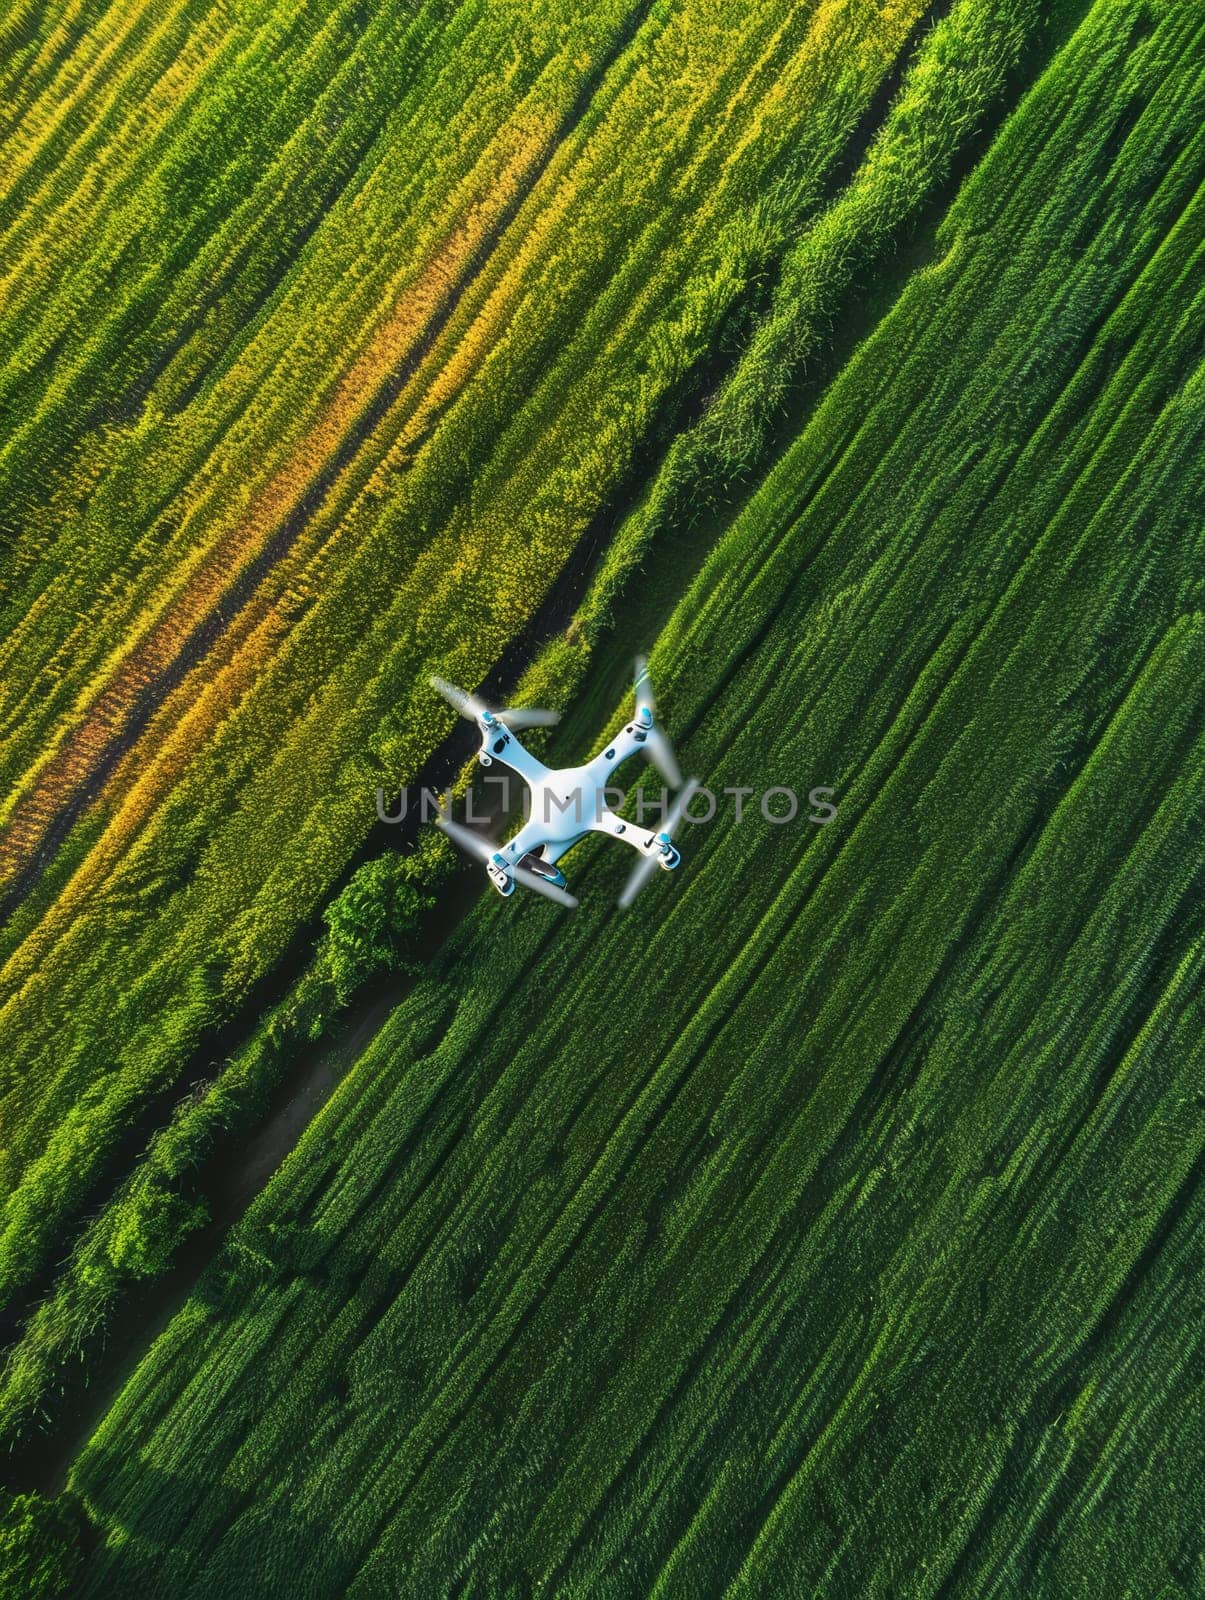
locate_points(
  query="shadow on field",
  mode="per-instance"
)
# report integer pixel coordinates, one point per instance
(242, 1542)
(232, 1182)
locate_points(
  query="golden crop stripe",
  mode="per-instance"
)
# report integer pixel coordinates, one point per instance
(69, 769)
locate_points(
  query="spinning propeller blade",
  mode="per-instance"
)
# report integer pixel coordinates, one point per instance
(516, 717)
(468, 841)
(644, 686)
(472, 707)
(657, 746)
(475, 845)
(469, 705)
(644, 870)
(550, 891)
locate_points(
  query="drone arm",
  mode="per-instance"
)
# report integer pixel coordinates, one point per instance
(628, 742)
(498, 743)
(642, 839)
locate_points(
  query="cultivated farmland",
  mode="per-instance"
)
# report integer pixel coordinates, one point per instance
(829, 1225)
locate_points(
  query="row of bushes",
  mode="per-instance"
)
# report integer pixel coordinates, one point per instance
(736, 1248)
(374, 926)
(235, 813)
(959, 71)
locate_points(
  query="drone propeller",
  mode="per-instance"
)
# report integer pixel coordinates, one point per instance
(551, 891)
(475, 845)
(469, 705)
(657, 746)
(472, 843)
(516, 717)
(473, 707)
(644, 869)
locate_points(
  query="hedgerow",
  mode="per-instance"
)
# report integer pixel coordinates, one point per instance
(416, 425)
(826, 1230)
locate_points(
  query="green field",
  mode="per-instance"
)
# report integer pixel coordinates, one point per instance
(829, 1225)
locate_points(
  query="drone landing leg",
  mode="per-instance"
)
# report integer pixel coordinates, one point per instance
(499, 874)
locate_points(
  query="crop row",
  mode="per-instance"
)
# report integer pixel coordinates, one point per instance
(959, 59)
(623, 1272)
(243, 770)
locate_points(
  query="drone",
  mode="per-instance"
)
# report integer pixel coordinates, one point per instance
(568, 803)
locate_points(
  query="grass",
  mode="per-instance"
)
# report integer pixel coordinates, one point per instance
(959, 69)
(223, 595)
(832, 1228)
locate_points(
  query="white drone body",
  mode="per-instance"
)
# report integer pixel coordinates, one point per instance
(567, 803)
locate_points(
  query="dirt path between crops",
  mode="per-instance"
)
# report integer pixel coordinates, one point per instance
(231, 1185)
